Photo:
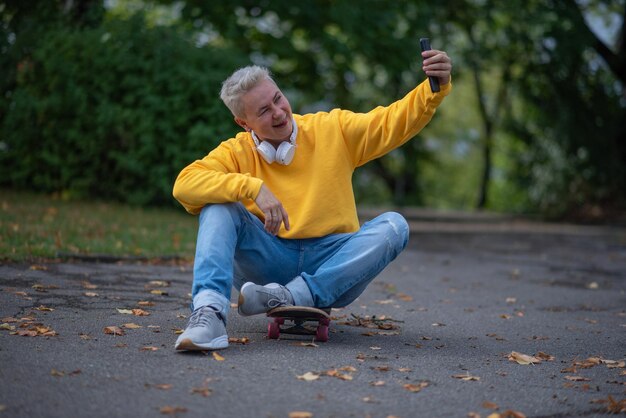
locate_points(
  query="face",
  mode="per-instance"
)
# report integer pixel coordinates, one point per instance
(267, 113)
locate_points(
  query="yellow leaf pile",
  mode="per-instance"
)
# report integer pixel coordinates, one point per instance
(26, 327)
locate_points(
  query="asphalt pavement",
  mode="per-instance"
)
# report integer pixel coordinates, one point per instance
(478, 316)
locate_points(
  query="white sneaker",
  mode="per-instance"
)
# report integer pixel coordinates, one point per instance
(205, 331)
(255, 299)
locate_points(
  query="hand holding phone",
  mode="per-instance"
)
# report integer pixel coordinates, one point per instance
(434, 81)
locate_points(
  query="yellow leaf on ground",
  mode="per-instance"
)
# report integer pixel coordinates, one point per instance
(509, 413)
(131, 326)
(300, 414)
(125, 311)
(204, 391)
(543, 356)
(490, 405)
(466, 377)
(113, 330)
(244, 340)
(140, 312)
(523, 359)
(217, 356)
(415, 387)
(149, 348)
(171, 410)
(309, 376)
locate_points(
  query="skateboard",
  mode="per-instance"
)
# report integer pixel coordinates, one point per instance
(298, 316)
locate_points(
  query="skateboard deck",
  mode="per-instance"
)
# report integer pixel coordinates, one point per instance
(294, 319)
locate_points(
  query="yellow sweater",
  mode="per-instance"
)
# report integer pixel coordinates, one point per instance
(316, 188)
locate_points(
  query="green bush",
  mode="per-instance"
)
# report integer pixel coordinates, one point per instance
(113, 112)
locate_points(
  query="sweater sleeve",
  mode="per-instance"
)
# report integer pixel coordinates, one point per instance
(217, 178)
(373, 134)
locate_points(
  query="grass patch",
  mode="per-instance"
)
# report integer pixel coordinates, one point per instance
(34, 226)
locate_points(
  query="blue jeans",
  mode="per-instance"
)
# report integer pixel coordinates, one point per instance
(332, 271)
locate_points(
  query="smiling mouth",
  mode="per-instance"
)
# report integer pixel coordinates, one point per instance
(282, 124)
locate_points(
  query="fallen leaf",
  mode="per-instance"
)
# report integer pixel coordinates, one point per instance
(490, 405)
(244, 340)
(44, 308)
(505, 316)
(300, 414)
(217, 356)
(56, 373)
(466, 377)
(543, 356)
(378, 383)
(125, 311)
(158, 283)
(204, 391)
(577, 378)
(145, 303)
(113, 330)
(131, 326)
(159, 292)
(308, 376)
(148, 348)
(438, 324)
(613, 406)
(415, 387)
(163, 386)
(507, 414)
(614, 364)
(405, 369)
(171, 410)
(38, 267)
(404, 297)
(303, 344)
(523, 359)
(91, 294)
(140, 312)
(87, 285)
(337, 373)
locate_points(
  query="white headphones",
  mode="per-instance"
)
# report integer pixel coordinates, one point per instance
(285, 152)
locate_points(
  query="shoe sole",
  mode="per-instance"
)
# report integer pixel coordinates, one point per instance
(241, 299)
(216, 344)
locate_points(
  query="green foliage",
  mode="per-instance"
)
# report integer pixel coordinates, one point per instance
(113, 112)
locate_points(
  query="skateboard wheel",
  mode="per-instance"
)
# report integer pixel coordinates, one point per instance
(273, 330)
(322, 333)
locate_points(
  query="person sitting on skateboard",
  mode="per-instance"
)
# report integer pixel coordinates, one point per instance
(277, 214)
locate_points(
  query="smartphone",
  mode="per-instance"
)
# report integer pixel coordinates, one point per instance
(434, 81)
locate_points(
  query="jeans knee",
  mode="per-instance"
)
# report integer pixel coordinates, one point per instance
(220, 211)
(399, 229)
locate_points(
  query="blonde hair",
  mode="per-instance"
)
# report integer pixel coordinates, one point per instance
(239, 83)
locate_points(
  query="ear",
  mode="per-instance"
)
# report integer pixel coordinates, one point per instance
(242, 123)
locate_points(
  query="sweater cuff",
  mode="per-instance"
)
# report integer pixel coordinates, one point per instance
(253, 187)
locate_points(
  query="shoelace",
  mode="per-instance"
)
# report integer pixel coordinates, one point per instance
(201, 317)
(275, 300)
